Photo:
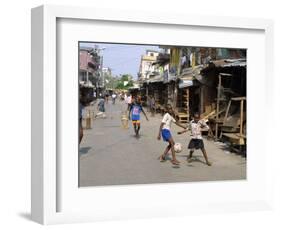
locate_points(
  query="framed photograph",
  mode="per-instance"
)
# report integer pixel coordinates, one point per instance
(146, 114)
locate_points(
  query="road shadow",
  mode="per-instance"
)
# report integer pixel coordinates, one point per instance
(176, 166)
(84, 150)
(182, 155)
(189, 165)
(136, 137)
(197, 159)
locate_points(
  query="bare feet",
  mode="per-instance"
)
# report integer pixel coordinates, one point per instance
(175, 162)
(208, 163)
(162, 158)
(189, 159)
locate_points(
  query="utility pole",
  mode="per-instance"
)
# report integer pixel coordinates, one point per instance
(102, 75)
(218, 107)
(101, 67)
(87, 77)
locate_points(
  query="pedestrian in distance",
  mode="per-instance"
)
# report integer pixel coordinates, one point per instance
(165, 132)
(136, 109)
(148, 103)
(101, 108)
(126, 98)
(196, 126)
(129, 101)
(82, 103)
(113, 96)
(121, 98)
(106, 98)
(152, 106)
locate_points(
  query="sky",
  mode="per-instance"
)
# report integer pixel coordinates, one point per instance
(121, 58)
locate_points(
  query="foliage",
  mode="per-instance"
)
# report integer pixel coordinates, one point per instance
(125, 82)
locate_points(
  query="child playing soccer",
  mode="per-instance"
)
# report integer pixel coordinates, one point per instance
(136, 109)
(165, 131)
(196, 125)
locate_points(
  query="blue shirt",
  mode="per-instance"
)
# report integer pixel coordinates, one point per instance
(101, 105)
(136, 110)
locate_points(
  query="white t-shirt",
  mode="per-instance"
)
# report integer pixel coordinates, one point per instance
(197, 128)
(129, 100)
(167, 120)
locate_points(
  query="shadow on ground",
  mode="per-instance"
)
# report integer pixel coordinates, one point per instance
(84, 150)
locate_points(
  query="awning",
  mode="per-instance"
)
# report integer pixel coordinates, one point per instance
(230, 62)
(134, 87)
(168, 77)
(189, 72)
(188, 77)
(172, 78)
(86, 84)
(204, 80)
(184, 83)
(158, 78)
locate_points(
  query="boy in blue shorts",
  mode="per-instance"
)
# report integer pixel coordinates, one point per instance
(165, 131)
(136, 109)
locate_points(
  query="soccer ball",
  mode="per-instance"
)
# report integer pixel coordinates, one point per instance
(178, 147)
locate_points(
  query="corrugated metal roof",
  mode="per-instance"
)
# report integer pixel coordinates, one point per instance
(184, 83)
(157, 78)
(191, 72)
(230, 62)
(171, 78)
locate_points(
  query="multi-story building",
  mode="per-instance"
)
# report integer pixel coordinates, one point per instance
(88, 66)
(146, 65)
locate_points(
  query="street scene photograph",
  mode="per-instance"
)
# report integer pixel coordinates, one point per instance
(161, 114)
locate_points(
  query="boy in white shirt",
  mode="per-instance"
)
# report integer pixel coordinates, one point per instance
(196, 142)
(165, 131)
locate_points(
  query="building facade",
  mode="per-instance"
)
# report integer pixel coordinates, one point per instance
(146, 65)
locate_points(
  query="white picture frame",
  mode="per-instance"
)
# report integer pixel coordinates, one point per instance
(55, 199)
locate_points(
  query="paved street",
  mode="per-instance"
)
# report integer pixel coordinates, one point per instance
(111, 155)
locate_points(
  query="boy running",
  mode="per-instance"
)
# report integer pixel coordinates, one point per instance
(196, 125)
(165, 130)
(136, 109)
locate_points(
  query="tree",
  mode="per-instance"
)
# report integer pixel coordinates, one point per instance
(125, 82)
(111, 82)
